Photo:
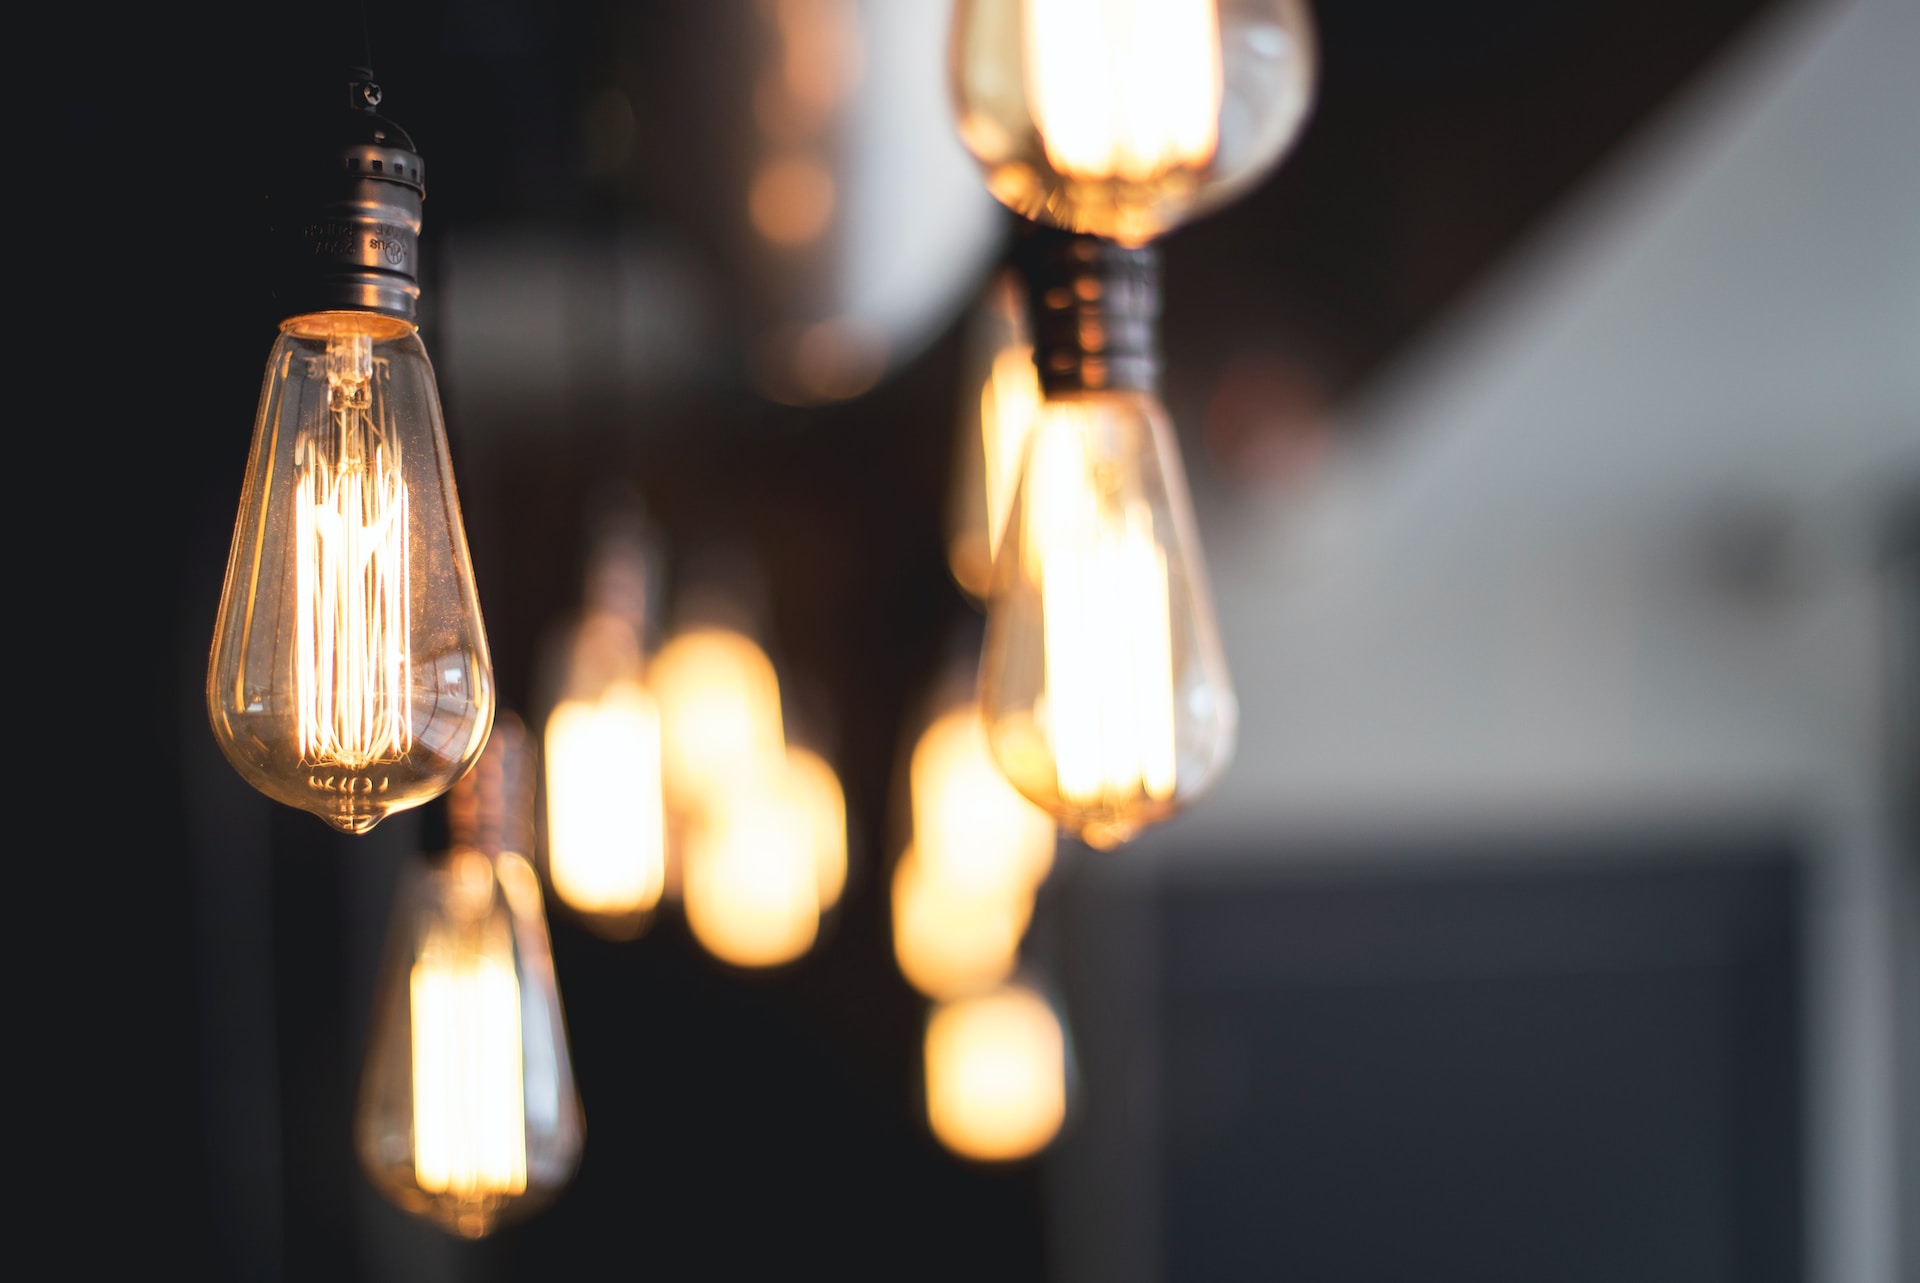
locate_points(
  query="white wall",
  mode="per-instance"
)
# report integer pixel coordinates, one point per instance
(1604, 549)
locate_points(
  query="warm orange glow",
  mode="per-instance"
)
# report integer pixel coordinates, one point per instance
(821, 54)
(815, 782)
(606, 832)
(719, 715)
(1109, 704)
(1125, 118)
(751, 882)
(791, 200)
(1126, 89)
(954, 938)
(469, 1123)
(353, 646)
(972, 827)
(349, 673)
(996, 1074)
(1009, 405)
(836, 359)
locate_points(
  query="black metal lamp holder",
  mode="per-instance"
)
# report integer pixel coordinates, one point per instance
(1093, 308)
(347, 216)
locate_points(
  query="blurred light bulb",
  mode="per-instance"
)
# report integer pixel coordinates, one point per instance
(349, 673)
(996, 1066)
(751, 880)
(1123, 118)
(604, 809)
(719, 715)
(468, 1114)
(993, 435)
(606, 823)
(1102, 682)
(971, 829)
(954, 938)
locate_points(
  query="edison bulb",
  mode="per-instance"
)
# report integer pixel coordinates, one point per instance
(1123, 118)
(1103, 685)
(349, 673)
(606, 824)
(468, 1114)
(997, 1074)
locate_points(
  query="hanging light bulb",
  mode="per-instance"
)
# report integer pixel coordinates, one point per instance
(1102, 682)
(606, 827)
(996, 1074)
(349, 673)
(468, 1114)
(1122, 118)
(606, 837)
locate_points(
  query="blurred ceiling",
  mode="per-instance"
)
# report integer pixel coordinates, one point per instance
(1441, 136)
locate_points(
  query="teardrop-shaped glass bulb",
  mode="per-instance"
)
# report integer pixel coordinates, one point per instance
(1102, 682)
(468, 1114)
(1126, 117)
(349, 674)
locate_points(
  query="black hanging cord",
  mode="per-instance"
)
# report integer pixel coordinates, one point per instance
(362, 90)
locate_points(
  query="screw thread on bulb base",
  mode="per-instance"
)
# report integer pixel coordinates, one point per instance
(1093, 308)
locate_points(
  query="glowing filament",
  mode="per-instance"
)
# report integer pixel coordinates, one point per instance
(353, 665)
(1124, 89)
(469, 1124)
(1107, 629)
(606, 828)
(996, 1074)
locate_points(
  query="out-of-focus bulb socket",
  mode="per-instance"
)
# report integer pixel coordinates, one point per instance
(346, 216)
(1093, 306)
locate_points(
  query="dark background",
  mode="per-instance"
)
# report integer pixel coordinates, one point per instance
(737, 1124)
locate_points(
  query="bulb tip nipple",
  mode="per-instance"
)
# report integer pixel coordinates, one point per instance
(1106, 836)
(357, 822)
